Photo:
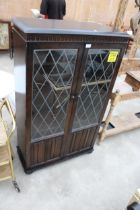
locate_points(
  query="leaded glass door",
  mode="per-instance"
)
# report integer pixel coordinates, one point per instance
(97, 77)
(53, 71)
(55, 87)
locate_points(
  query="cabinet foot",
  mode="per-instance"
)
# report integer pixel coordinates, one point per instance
(90, 150)
(29, 171)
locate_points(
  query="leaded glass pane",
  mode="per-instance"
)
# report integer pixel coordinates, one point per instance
(53, 71)
(95, 86)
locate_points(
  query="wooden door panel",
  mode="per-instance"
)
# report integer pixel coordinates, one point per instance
(46, 150)
(80, 140)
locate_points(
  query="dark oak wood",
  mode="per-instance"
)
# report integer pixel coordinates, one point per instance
(70, 141)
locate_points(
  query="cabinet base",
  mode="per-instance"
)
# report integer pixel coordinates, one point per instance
(39, 166)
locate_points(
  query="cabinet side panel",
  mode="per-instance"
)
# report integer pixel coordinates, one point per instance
(20, 88)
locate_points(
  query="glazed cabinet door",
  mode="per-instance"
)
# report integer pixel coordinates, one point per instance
(53, 70)
(98, 75)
